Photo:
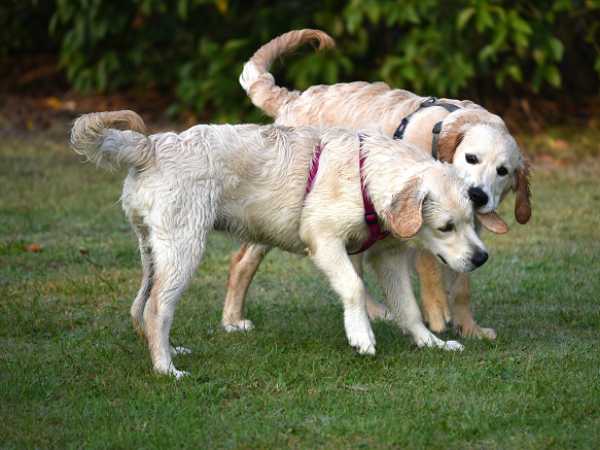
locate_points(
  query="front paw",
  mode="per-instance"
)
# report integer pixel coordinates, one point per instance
(437, 319)
(425, 338)
(364, 345)
(436, 324)
(360, 334)
(472, 330)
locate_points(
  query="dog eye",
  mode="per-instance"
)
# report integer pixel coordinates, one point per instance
(447, 228)
(471, 158)
(501, 171)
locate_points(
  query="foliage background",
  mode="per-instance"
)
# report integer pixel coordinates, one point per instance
(193, 50)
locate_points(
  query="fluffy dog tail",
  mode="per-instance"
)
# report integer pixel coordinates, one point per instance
(96, 137)
(260, 85)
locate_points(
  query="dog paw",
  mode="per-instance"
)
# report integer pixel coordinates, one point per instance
(475, 331)
(453, 346)
(437, 325)
(179, 350)
(178, 374)
(240, 325)
(488, 333)
(168, 368)
(360, 334)
(425, 338)
(378, 311)
(436, 319)
(364, 345)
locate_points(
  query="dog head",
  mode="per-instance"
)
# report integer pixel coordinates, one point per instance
(437, 207)
(487, 157)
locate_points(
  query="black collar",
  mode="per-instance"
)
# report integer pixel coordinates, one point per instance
(437, 128)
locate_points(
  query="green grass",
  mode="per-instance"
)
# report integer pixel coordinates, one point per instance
(74, 374)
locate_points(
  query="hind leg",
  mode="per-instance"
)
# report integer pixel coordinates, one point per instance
(138, 305)
(242, 268)
(175, 260)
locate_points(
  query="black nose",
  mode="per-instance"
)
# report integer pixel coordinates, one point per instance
(478, 197)
(479, 257)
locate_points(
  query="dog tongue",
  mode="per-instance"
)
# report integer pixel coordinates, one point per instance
(493, 222)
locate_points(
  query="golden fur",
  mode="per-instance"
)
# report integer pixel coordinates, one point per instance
(359, 105)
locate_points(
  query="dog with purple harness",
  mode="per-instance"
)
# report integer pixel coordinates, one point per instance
(251, 181)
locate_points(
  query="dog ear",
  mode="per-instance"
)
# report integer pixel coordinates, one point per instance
(447, 144)
(405, 215)
(455, 125)
(452, 132)
(523, 194)
(493, 222)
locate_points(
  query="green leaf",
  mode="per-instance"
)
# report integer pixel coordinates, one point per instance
(514, 72)
(484, 20)
(557, 48)
(464, 17)
(552, 76)
(487, 52)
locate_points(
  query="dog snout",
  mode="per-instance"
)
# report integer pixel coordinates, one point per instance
(478, 196)
(479, 257)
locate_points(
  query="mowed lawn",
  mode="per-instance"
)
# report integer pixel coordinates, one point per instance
(73, 374)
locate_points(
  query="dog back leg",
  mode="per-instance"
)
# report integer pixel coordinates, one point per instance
(137, 308)
(176, 257)
(244, 264)
(178, 228)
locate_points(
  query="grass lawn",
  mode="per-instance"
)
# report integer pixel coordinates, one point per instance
(74, 374)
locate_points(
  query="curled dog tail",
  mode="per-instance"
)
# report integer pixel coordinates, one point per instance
(96, 136)
(259, 84)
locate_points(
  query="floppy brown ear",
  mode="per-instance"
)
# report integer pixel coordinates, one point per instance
(406, 213)
(447, 143)
(455, 125)
(493, 222)
(452, 132)
(523, 195)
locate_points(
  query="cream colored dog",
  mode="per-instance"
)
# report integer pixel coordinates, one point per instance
(250, 180)
(475, 141)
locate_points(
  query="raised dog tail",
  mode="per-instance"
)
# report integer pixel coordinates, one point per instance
(260, 85)
(110, 138)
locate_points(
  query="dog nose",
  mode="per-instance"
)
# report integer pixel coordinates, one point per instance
(479, 258)
(478, 197)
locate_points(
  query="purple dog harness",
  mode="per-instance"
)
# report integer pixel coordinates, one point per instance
(371, 217)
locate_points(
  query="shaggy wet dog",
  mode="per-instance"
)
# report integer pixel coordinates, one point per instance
(251, 181)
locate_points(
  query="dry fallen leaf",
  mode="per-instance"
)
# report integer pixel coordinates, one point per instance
(33, 248)
(559, 144)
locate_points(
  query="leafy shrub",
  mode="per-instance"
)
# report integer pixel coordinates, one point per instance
(196, 48)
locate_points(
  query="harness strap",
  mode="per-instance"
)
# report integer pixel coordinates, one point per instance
(371, 217)
(314, 168)
(437, 128)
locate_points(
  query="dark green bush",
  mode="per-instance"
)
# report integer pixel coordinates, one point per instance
(196, 48)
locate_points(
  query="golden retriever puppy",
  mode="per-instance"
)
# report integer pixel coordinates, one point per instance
(251, 181)
(460, 132)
